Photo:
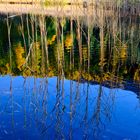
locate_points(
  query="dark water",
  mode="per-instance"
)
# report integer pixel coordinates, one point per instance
(69, 78)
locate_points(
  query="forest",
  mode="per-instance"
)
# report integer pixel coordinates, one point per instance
(48, 46)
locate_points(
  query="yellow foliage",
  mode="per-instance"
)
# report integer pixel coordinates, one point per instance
(56, 2)
(87, 76)
(85, 53)
(8, 67)
(3, 70)
(27, 73)
(106, 76)
(97, 78)
(36, 57)
(76, 75)
(36, 45)
(120, 52)
(137, 75)
(63, 22)
(123, 52)
(52, 40)
(19, 51)
(102, 62)
(125, 71)
(50, 73)
(68, 41)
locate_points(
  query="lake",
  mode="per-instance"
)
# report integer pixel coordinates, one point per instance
(70, 76)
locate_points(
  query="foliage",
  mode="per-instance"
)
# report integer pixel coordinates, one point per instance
(35, 57)
(20, 59)
(60, 56)
(51, 40)
(137, 75)
(68, 41)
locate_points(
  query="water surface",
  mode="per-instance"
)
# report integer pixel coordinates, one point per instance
(41, 108)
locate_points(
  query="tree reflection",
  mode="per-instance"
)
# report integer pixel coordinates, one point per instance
(79, 55)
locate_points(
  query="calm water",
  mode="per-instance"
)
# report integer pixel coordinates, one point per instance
(69, 78)
(41, 108)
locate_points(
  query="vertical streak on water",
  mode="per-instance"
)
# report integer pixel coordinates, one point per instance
(42, 43)
(12, 101)
(23, 35)
(24, 100)
(46, 44)
(62, 44)
(97, 112)
(9, 41)
(88, 18)
(71, 35)
(28, 30)
(57, 125)
(71, 32)
(102, 38)
(33, 54)
(79, 40)
(120, 34)
(86, 112)
(57, 47)
(62, 104)
(71, 110)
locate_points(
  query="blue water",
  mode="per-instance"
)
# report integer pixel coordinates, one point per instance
(53, 108)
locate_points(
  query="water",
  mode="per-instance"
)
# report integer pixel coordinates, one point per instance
(50, 108)
(74, 76)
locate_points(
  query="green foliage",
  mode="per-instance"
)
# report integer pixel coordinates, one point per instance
(67, 56)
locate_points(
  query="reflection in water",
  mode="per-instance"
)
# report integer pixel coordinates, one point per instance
(54, 108)
(46, 46)
(72, 71)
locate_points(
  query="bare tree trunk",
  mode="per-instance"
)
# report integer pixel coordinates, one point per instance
(9, 41)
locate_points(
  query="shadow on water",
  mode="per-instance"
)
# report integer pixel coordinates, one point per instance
(69, 77)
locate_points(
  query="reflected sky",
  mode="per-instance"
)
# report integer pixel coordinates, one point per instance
(54, 108)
